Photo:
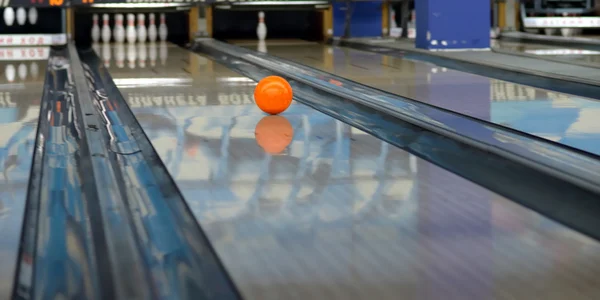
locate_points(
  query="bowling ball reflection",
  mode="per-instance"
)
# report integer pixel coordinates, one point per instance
(274, 134)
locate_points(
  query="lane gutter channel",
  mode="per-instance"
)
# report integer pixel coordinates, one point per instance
(177, 255)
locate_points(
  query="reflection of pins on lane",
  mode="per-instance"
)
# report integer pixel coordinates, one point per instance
(95, 29)
(141, 28)
(142, 55)
(22, 71)
(120, 55)
(34, 70)
(152, 28)
(106, 54)
(9, 16)
(152, 54)
(10, 73)
(261, 30)
(262, 46)
(105, 29)
(162, 29)
(96, 47)
(119, 30)
(21, 16)
(131, 54)
(32, 15)
(164, 53)
(131, 34)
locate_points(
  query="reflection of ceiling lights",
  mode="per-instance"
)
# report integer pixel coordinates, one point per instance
(146, 82)
(562, 52)
(138, 5)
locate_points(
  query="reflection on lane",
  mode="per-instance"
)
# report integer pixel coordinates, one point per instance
(558, 117)
(582, 56)
(336, 213)
(21, 88)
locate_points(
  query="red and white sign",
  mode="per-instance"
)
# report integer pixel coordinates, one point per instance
(32, 39)
(561, 22)
(24, 53)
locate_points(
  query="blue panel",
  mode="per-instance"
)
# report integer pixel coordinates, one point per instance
(460, 24)
(366, 19)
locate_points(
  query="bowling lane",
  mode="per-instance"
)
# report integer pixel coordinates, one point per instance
(563, 118)
(302, 206)
(566, 54)
(21, 88)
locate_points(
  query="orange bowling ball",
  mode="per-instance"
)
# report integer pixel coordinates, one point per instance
(274, 134)
(273, 95)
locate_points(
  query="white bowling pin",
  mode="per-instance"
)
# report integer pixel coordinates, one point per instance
(32, 15)
(142, 55)
(95, 29)
(164, 53)
(261, 30)
(22, 70)
(105, 29)
(131, 55)
(162, 29)
(120, 55)
(152, 54)
(152, 28)
(10, 72)
(106, 54)
(21, 16)
(9, 16)
(130, 30)
(34, 69)
(141, 28)
(119, 30)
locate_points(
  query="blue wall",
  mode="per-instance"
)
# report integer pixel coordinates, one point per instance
(444, 24)
(366, 19)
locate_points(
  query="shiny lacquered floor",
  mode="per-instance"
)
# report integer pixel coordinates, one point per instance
(567, 54)
(301, 206)
(558, 117)
(21, 87)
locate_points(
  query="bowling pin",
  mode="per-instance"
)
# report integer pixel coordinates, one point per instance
(152, 28)
(95, 29)
(120, 55)
(152, 54)
(34, 69)
(22, 71)
(142, 55)
(106, 54)
(9, 16)
(10, 72)
(130, 30)
(131, 55)
(119, 30)
(21, 16)
(141, 28)
(162, 29)
(164, 53)
(261, 30)
(32, 15)
(105, 29)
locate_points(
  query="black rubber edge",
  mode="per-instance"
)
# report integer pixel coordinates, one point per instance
(577, 86)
